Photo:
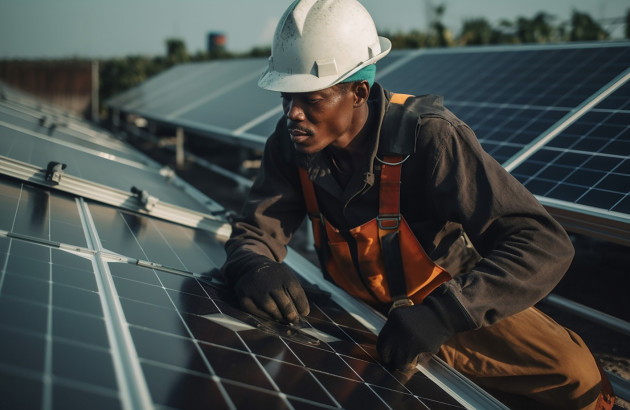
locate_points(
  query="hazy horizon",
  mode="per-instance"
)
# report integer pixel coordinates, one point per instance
(118, 28)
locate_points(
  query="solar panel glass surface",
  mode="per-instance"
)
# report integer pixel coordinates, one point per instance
(510, 96)
(191, 342)
(588, 163)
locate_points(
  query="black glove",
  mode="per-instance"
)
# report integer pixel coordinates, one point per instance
(271, 290)
(420, 329)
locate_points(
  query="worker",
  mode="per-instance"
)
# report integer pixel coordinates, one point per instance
(409, 215)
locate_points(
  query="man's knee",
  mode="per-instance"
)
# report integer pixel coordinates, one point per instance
(582, 378)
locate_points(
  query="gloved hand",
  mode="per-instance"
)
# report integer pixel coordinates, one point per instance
(420, 329)
(271, 290)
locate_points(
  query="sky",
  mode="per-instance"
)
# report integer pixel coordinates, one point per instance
(49, 29)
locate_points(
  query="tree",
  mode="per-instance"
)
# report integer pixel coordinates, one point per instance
(476, 31)
(584, 28)
(539, 29)
(176, 51)
(440, 35)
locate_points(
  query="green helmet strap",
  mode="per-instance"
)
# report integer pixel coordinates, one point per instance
(367, 73)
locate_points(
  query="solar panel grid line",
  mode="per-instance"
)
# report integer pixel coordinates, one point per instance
(465, 392)
(5, 263)
(200, 351)
(48, 365)
(197, 73)
(134, 390)
(494, 93)
(225, 394)
(214, 94)
(392, 68)
(44, 291)
(132, 97)
(209, 76)
(358, 375)
(257, 361)
(571, 172)
(565, 122)
(215, 377)
(261, 118)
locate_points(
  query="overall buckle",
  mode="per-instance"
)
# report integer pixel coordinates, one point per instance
(400, 302)
(388, 222)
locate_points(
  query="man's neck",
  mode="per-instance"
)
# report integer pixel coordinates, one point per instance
(350, 157)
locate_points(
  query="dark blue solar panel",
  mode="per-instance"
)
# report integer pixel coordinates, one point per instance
(509, 97)
(589, 162)
(54, 349)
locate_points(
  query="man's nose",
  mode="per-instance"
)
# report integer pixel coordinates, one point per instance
(294, 111)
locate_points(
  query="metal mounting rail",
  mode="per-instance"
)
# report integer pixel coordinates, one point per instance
(594, 222)
(618, 325)
(115, 197)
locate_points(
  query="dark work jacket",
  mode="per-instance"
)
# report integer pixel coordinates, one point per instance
(449, 185)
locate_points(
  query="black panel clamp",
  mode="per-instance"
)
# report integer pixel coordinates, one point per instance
(147, 201)
(54, 172)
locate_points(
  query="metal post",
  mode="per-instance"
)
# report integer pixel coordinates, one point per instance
(95, 92)
(116, 118)
(179, 147)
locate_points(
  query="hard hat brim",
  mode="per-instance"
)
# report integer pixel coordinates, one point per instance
(303, 83)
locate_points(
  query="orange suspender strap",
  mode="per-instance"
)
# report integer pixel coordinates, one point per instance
(389, 196)
(389, 222)
(309, 193)
(388, 229)
(399, 98)
(312, 208)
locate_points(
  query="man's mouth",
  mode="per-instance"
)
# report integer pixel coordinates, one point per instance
(299, 134)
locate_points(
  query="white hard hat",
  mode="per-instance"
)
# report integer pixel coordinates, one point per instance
(319, 43)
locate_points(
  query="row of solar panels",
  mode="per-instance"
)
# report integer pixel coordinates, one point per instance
(556, 116)
(107, 299)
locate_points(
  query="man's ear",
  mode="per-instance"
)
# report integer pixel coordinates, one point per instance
(361, 92)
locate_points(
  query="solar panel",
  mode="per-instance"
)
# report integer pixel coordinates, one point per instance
(510, 95)
(69, 131)
(588, 163)
(108, 306)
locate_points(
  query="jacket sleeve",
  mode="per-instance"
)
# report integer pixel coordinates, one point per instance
(524, 251)
(272, 212)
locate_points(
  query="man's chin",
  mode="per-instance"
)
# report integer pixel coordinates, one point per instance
(305, 149)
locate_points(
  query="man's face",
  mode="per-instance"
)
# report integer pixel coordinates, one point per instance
(320, 118)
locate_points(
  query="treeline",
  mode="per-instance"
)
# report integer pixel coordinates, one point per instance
(541, 28)
(120, 74)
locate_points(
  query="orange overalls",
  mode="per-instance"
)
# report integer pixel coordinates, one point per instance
(359, 263)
